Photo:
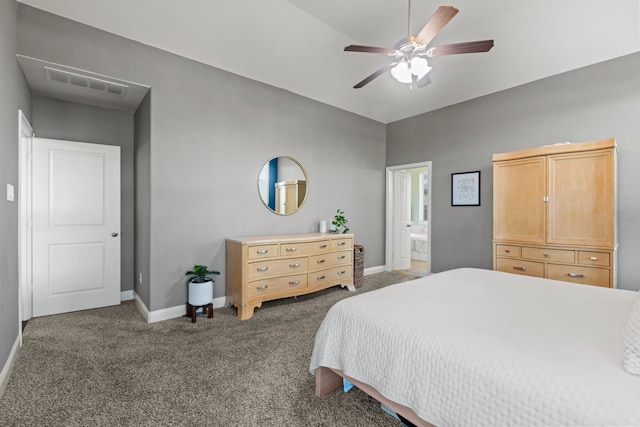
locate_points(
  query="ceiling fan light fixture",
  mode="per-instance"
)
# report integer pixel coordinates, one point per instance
(420, 67)
(402, 72)
(405, 70)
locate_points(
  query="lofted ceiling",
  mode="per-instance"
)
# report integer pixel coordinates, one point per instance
(297, 45)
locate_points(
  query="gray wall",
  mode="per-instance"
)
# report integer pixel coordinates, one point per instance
(15, 95)
(56, 119)
(142, 143)
(210, 133)
(591, 103)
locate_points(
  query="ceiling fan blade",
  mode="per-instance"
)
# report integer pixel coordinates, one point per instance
(466, 47)
(369, 49)
(440, 18)
(374, 75)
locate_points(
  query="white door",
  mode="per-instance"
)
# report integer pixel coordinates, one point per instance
(76, 226)
(402, 220)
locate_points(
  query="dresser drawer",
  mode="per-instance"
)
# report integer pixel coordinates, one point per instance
(508, 250)
(334, 274)
(277, 284)
(345, 243)
(518, 266)
(594, 258)
(304, 248)
(576, 274)
(553, 255)
(320, 262)
(262, 251)
(277, 267)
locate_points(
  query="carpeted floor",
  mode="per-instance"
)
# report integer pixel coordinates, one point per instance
(107, 367)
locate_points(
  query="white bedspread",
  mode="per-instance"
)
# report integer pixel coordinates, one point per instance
(479, 347)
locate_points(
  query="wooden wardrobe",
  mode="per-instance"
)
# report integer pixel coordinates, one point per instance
(554, 212)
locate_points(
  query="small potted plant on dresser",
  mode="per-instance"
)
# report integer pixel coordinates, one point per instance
(339, 221)
(200, 292)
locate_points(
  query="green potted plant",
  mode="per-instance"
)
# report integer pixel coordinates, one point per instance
(339, 221)
(200, 285)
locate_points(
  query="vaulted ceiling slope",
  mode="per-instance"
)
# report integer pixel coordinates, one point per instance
(297, 45)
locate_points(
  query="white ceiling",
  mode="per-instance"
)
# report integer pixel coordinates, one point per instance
(297, 45)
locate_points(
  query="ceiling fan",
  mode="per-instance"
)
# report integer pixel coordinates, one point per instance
(409, 64)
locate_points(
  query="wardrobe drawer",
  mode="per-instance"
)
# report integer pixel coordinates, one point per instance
(277, 267)
(277, 284)
(508, 250)
(518, 266)
(345, 243)
(552, 255)
(319, 262)
(594, 258)
(576, 274)
(304, 248)
(262, 251)
(332, 275)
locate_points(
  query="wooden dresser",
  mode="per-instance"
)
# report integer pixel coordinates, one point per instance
(271, 267)
(554, 212)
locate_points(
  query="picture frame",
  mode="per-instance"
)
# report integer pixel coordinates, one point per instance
(465, 188)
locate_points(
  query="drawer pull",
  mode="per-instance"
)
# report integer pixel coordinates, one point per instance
(260, 288)
(262, 252)
(594, 258)
(321, 277)
(296, 265)
(340, 273)
(294, 282)
(577, 275)
(507, 251)
(341, 257)
(520, 268)
(291, 249)
(323, 246)
(545, 255)
(320, 261)
(342, 243)
(262, 269)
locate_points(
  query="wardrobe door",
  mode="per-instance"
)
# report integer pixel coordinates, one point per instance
(519, 189)
(581, 207)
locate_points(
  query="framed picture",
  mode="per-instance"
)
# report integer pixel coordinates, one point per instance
(465, 189)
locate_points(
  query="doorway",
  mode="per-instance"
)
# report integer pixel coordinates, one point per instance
(408, 222)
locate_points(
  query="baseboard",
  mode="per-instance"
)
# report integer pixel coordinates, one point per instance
(141, 307)
(374, 270)
(126, 295)
(6, 370)
(171, 312)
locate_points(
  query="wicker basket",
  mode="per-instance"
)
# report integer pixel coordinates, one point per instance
(358, 265)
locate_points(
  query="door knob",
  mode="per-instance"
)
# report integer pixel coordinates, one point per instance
(114, 234)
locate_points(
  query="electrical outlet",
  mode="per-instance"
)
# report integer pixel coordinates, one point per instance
(140, 278)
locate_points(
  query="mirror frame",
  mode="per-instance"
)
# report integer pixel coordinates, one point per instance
(306, 178)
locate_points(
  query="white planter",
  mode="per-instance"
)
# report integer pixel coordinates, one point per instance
(200, 293)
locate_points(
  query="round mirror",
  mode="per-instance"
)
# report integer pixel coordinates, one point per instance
(283, 185)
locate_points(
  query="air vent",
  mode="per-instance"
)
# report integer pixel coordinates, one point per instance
(87, 82)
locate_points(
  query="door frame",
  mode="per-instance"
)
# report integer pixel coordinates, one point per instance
(25, 136)
(390, 196)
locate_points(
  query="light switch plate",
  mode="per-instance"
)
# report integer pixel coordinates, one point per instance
(10, 193)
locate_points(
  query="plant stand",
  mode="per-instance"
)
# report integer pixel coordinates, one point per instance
(191, 311)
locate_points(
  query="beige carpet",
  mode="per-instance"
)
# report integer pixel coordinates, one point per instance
(108, 367)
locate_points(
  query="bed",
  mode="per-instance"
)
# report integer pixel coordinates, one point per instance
(480, 347)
